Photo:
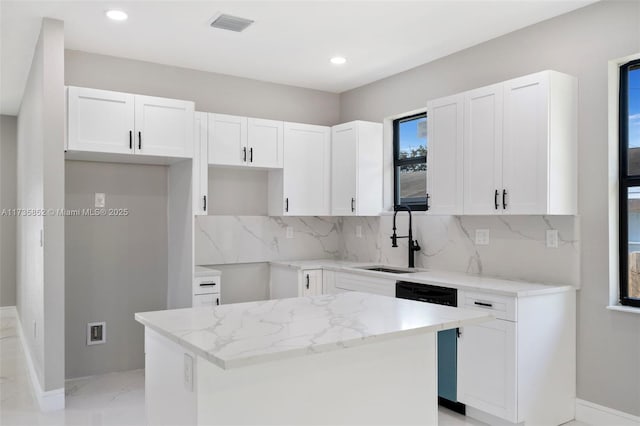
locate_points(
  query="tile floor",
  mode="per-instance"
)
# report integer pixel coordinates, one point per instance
(115, 399)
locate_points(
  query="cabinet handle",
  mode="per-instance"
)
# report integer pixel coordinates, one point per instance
(244, 154)
(428, 197)
(286, 204)
(458, 332)
(307, 281)
(504, 199)
(484, 304)
(495, 199)
(251, 155)
(353, 207)
(139, 140)
(217, 301)
(204, 197)
(130, 139)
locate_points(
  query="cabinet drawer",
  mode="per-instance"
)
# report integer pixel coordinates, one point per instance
(365, 284)
(206, 285)
(206, 300)
(502, 307)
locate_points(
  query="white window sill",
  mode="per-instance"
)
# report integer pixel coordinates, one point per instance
(622, 308)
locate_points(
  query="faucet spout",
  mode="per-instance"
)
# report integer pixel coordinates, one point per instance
(413, 245)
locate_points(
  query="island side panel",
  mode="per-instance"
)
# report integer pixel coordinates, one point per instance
(388, 382)
(170, 397)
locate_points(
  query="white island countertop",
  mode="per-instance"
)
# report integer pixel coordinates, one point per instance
(243, 334)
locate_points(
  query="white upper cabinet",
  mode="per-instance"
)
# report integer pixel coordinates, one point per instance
(482, 150)
(302, 188)
(163, 126)
(539, 144)
(100, 121)
(444, 155)
(265, 143)
(200, 165)
(356, 169)
(242, 141)
(121, 123)
(520, 147)
(227, 140)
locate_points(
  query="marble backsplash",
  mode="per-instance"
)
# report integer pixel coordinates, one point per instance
(517, 248)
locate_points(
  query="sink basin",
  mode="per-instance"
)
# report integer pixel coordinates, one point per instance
(386, 269)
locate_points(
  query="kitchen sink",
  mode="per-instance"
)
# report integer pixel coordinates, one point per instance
(386, 269)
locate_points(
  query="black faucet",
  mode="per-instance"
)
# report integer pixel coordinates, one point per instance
(413, 244)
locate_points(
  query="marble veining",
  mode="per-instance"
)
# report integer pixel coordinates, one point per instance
(248, 333)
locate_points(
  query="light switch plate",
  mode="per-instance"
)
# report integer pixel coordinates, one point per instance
(552, 238)
(100, 200)
(482, 237)
(289, 232)
(359, 231)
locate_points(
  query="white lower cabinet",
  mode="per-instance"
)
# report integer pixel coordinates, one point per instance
(520, 367)
(288, 282)
(345, 281)
(486, 368)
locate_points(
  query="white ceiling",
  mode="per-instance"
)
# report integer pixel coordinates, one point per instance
(290, 43)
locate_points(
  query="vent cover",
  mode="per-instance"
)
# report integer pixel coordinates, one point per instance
(230, 22)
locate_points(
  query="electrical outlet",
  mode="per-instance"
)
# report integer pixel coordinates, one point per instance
(96, 333)
(482, 237)
(289, 232)
(100, 200)
(552, 238)
(359, 231)
(188, 372)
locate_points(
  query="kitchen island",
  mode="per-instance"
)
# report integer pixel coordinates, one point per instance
(349, 358)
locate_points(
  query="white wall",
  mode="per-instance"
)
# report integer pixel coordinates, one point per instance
(40, 184)
(8, 139)
(210, 91)
(579, 43)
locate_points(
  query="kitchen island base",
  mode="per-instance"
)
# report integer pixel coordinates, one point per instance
(392, 381)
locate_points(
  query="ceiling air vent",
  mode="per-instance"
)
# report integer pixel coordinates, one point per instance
(230, 22)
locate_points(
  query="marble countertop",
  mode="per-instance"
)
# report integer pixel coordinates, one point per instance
(457, 280)
(243, 334)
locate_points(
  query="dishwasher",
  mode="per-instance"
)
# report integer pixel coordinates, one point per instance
(447, 339)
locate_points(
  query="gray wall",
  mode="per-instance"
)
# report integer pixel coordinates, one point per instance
(211, 92)
(115, 266)
(40, 185)
(8, 139)
(579, 43)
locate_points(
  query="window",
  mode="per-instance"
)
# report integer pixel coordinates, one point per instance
(410, 161)
(630, 183)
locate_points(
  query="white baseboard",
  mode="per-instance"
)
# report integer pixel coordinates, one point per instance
(599, 415)
(52, 400)
(8, 312)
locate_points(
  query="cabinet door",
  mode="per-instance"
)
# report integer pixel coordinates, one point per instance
(483, 150)
(306, 177)
(343, 169)
(487, 368)
(100, 121)
(163, 126)
(525, 144)
(200, 166)
(227, 140)
(444, 155)
(265, 143)
(312, 282)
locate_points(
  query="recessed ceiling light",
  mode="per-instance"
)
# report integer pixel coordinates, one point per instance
(338, 60)
(116, 15)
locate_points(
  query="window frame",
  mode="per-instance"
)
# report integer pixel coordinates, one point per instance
(398, 162)
(625, 181)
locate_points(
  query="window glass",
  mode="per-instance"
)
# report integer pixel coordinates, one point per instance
(410, 161)
(633, 120)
